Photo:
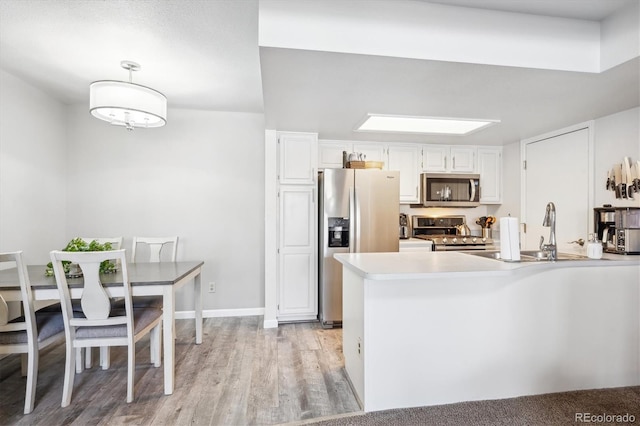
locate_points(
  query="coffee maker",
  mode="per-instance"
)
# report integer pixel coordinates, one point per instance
(605, 226)
(618, 228)
(404, 226)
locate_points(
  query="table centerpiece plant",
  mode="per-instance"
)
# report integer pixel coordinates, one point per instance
(78, 244)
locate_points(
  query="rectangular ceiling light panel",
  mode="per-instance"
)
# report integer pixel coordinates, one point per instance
(427, 125)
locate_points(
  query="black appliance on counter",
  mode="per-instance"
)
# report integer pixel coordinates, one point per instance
(446, 233)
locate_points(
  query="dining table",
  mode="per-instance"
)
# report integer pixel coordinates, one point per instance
(146, 279)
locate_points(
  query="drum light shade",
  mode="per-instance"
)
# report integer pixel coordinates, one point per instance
(127, 104)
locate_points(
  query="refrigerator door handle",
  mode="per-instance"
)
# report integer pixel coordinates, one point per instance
(357, 230)
(352, 220)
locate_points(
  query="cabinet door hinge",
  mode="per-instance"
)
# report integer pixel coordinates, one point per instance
(524, 228)
(524, 165)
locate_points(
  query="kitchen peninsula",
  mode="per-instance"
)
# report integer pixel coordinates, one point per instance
(437, 328)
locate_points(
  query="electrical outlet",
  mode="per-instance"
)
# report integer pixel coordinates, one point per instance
(212, 287)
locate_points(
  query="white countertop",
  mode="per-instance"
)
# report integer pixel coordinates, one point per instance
(417, 265)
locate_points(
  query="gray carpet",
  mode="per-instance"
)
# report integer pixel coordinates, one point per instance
(547, 409)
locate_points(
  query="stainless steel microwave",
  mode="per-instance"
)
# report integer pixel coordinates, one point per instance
(449, 190)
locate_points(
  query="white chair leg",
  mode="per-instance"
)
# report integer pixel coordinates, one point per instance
(155, 345)
(32, 379)
(131, 369)
(67, 387)
(105, 357)
(87, 358)
(78, 360)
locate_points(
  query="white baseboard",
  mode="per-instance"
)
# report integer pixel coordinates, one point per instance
(270, 323)
(215, 313)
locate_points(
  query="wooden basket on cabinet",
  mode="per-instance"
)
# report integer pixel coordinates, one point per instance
(365, 164)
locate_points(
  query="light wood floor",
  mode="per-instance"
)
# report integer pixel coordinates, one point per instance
(241, 374)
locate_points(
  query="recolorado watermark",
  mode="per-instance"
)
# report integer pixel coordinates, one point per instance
(604, 418)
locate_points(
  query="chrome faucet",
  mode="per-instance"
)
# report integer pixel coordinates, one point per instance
(550, 220)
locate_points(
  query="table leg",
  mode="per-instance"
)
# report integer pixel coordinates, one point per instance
(168, 324)
(197, 289)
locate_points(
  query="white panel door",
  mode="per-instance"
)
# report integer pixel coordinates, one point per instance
(297, 274)
(557, 170)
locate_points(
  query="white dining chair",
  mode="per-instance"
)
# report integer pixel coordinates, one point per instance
(116, 244)
(100, 325)
(29, 333)
(155, 246)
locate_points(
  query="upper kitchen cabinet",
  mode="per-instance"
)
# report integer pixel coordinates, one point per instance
(371, 151)
(330, 153)
(298, 156)
(448, 159)
(490, 170)
(406, 159)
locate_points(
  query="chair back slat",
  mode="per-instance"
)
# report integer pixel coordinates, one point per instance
(95, 301)
(155, 246)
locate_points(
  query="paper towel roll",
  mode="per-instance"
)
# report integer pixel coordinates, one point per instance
(509, 238)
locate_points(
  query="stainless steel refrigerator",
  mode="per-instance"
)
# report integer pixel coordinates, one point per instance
(358, 213)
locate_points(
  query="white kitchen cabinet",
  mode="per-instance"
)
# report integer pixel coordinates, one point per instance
(490, 170)
(405, 158)
(434, 158)
(448, 159)
(463, 159)
(297, 156)
(330, 153)
(372, 151)
(297, 253)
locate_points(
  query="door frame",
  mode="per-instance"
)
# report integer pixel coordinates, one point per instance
(590, 126)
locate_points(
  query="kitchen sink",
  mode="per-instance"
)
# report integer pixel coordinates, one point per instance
(528, 256)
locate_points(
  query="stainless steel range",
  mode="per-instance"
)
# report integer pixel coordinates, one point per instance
(447, 233)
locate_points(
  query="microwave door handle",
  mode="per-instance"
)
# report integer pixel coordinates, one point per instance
(473, 189)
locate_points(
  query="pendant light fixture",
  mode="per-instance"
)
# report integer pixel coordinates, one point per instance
(127, 104)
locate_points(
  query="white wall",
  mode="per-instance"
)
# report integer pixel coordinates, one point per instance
(199, 177)
(616, 136)
(32, 170)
